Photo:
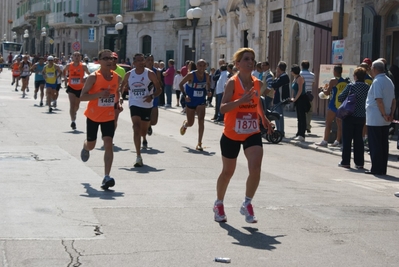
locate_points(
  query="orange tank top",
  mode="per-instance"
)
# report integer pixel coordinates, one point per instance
(76, 74)
(15, 69)
(243, 121)
(102, 109)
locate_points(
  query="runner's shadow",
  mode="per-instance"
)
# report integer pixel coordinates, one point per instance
(254, 239)
(144, 169)
(103, 194)
(116, 148)
(151, 151)
(194, 151)
(75, 132)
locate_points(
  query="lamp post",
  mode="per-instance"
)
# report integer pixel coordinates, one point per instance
(194, 14)
(14, 36)
(119, 28)
(26, 37)
(43, 34)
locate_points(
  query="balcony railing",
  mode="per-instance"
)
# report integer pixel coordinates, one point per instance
(139, 5)
(42, 7)
(109, 7)
(56, 18)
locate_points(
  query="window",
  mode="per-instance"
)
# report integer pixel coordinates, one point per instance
(276, 16)
(146, 44)
(183, 8)
(325, 5)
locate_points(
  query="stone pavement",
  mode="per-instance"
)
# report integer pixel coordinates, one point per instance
(316, 135)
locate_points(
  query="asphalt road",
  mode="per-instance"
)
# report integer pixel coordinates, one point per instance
(54, 213)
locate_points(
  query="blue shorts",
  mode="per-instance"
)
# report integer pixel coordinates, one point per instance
(51, 85)
(155, 102)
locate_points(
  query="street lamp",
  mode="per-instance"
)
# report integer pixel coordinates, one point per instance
(44, 33)
(119, 28)
(194, 14)
(14, 36)
(26, 37)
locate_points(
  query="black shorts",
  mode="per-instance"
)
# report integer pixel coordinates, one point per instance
(231, 148)
(58, 87)
(194, 107)
(143, 113)
(38, 83)
(23, 77)
(73, 91)
(107, 129)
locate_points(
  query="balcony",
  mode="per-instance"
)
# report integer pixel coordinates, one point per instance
(83, 21)
(108, 9)
(56, 19)
(19, 23)
(140, 9)
(40, 8)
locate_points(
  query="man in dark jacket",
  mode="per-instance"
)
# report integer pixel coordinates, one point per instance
(281, 86)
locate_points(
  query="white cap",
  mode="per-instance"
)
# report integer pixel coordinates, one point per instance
(50, 58)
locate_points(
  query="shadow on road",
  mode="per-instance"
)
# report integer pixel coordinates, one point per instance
(194, 151)
(254, 239)
(144, 169)
(103, 194)
(74, 132)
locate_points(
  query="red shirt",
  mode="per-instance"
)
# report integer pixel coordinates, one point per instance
(183, 71)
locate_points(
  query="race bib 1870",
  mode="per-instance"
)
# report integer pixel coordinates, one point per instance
(246, 122)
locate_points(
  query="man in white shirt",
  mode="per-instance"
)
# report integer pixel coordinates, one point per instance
(309, 80)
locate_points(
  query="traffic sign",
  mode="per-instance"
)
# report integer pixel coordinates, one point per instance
(76, 46)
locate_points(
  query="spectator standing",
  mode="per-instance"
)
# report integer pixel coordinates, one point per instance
(308, 76)
(169, 75)
(220, 85)
(176, 81)
(281, 85)
(212, 89)
(380, 107)
(267, 91)
(162, 69)
(184, 69)
(352, 126)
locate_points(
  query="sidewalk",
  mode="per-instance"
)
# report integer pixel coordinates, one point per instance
(316, 135)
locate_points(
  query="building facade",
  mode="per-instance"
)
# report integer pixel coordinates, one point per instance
(161, 28)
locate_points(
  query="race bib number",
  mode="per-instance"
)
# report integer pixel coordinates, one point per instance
(17, 72)
(106, 102)
(50, 74)
(246, 123)
(198, 93)
(75, 81)
(138, 93)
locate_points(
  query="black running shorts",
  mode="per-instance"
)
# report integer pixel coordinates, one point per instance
(107, 129)
(143, 113)
(73, 91)
(231, 148)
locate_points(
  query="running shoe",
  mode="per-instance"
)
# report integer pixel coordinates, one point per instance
(50, 109)
(35, 95)
(220, 216)
(299, 138)
(183, 129)
(323, 143)
(41, 103)
(145, 144)
(344, 166)
(84, 155)
(139, 162)
(396, 194)
(73, 125)
(149, 131)
(107, 182)
(16, 90)
(12, 83)
(27, 89)
(248, 212)
(335, 144)
(199, 147)
(23, 94)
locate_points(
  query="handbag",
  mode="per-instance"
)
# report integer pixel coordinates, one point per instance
(310, 96)
(347, 107)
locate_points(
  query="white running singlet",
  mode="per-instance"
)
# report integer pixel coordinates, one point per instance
(140, 86)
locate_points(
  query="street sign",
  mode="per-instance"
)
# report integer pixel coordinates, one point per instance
(326, 73)
(51, 41)
(338, 49)
(76, 46)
